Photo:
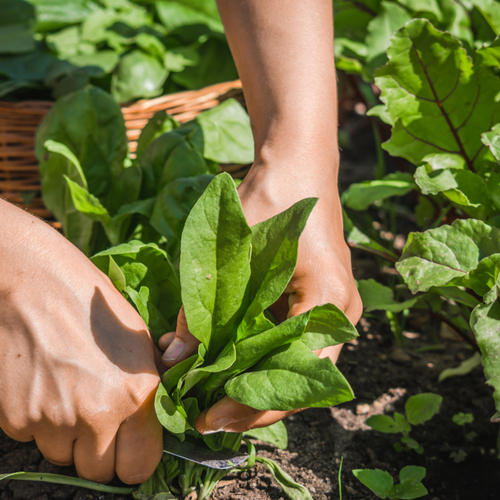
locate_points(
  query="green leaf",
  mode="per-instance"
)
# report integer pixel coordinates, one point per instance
(361, 195)
(172, 207)
(402, 422)
(376, 296)
(138, 75)
(327, 326)
(171, 416)
(492, 138)
(485, 323)
(409, 489)
(380, 30)
(61, 479)
(484, 277)
(76, 226)
(292, 377)
(490, 11)
(383, 423)
(378, 481)
(53, 15)
(169, 157)
(422, 407)
(176, 13)
(227, 134)
(90, 124)
(251, 350)
(145, 265)
(89, 205)
(276, 434)
(105, 60)
(215, 263)
(464, 368)
(274, 256)
(439, 103)
(412, 472)
(357, 239)
(216, 65)
(160, 124)
(462, 187)
(447, 254)
(293, 490)
(17, 25)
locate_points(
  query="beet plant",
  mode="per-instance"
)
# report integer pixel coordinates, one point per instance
(440, 100)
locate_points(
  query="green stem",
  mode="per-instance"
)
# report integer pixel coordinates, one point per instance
(340, 479)
(72, 481)
(396, 328)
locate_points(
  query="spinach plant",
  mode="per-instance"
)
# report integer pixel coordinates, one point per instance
(418, 409)
(382, 484)
(102, 197)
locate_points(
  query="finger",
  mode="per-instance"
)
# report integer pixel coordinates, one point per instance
(139, 445)
(94, 455)
(166, 340)
(230, 416)
(183, 345)
(23, 437)
(58, 450)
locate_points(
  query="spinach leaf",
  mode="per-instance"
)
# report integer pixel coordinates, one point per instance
(172, 206)
(276, 434)
(17, 25)
(215, 263)
(293, 490)
(146, 265)
(274, 257)
(292, 377)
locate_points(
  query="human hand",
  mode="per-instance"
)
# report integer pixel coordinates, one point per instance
(78, 371)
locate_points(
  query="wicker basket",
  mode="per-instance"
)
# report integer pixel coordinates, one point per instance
(19, 176)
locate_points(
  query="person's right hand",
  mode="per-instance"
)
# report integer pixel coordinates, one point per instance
(78, 371)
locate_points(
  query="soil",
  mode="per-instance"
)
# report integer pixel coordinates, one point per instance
(383, 376)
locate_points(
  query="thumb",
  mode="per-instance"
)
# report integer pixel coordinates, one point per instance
(178, 345)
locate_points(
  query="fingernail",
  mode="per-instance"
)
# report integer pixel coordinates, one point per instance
(219, 425)
(175, 349)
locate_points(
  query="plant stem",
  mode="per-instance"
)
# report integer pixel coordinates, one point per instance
(340, 479)
(73, 481)
(462, 334)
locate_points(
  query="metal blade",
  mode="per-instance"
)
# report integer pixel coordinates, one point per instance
(224, 459)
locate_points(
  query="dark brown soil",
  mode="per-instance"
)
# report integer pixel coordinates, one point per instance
(383, 376)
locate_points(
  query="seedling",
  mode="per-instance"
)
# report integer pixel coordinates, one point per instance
(462, 419)
(382, 484)
(419, 409)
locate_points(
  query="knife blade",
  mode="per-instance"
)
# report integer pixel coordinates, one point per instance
(223, 459)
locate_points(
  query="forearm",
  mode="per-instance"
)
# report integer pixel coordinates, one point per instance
(284, 54)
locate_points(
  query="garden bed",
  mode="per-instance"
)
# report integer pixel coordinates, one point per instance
(320, 437)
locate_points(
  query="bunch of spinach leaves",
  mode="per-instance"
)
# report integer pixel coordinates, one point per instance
(229, 275)
(102, 197)
(443, 110)
(133, 49)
